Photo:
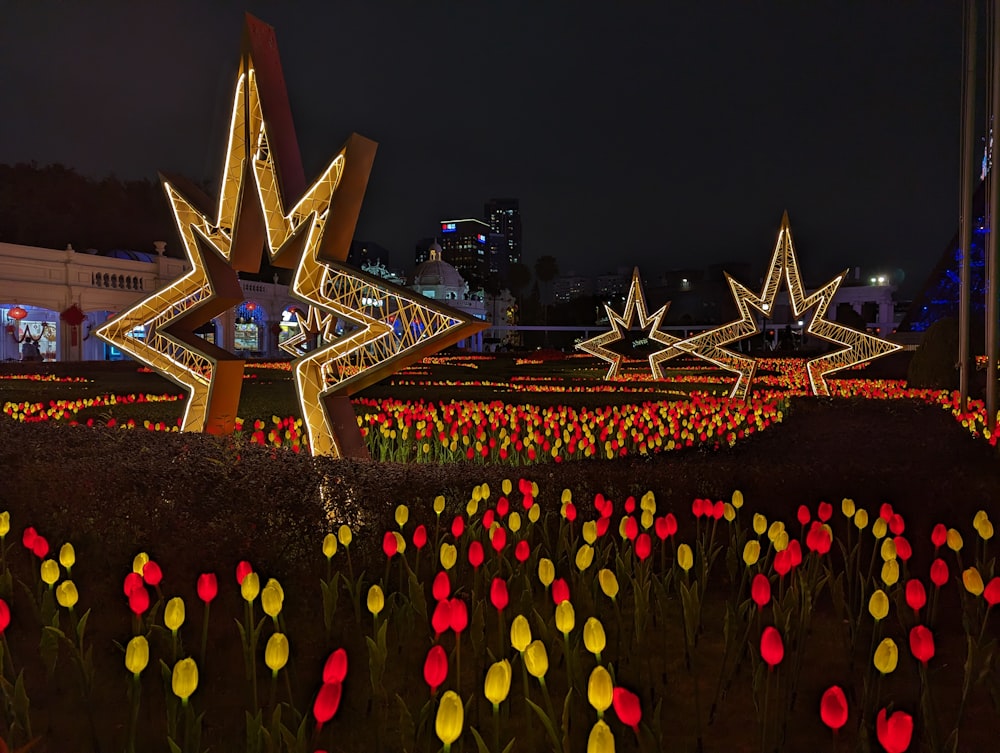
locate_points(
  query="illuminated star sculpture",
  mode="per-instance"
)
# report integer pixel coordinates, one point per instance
(859, 347)
(312, 236)
(635, 310)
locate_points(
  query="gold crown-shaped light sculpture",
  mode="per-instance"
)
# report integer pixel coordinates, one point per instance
(859, 347)
(635, 311)
(263, 168)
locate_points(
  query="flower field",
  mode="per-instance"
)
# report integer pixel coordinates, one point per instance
(614, 592)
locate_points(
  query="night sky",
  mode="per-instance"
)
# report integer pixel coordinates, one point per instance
(663, 135)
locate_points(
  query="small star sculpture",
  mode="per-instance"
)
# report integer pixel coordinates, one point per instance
(635, 311)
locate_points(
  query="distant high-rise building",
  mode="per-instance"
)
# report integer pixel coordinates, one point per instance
(464, 246)
(504, 218)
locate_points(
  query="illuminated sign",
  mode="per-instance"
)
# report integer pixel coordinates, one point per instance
(481, 238)
(447, 227)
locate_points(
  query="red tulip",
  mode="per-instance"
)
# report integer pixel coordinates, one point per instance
(527, 501)
(718, 510)
(569, 512)
(783, 562)
(40, 547)
(522, 551)
(939, 535)
(389, 544)
(208, 587)
(560, 591)
(818, 539)
(152, 574)
(671, 524)
(903, 549)
(627, 707)
(524, 486)
(803, 515)
(327, 701)
(138, 600)
(631, 528)
(660, 526)
(602, 525)
(895, 732)
(498, 594)
(896, 524)
(772, 649)
(243, 569)
(499, 538)
(698, 507)
(991, 593)
(441, 619)
(4, 616)
(643, 545)
(458, 526)
(795, 552)
(939, 572)
(475, 554)
(442, 586)
(885, 512)
(502, 507)
(824, 513)
(335, 669)
(435, 667)
(132, 581)
(630, 504)
(458, 615)
(922, 643)
(29, 536)
(833, 708)
(419, 536)
(916, 596)
(760, 590)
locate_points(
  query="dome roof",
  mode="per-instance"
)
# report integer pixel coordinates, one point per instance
(435, 271)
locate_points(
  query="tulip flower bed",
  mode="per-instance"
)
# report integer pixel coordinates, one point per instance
(516, 618)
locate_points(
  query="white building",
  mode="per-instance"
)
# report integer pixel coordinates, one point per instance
(439, 280)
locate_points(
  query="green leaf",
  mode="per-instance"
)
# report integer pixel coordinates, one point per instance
(174, 747)
(547, 724)
(407, 731)
(417, 598)
(49, 648)
(565, 720)
(480, 743)
(254, 724)
(330, 596)
(81, 626)
(21, 703)
(510, 745)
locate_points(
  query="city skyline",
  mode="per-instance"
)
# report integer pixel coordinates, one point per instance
(662, 138)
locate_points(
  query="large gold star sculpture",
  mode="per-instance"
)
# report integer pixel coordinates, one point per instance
(859, 347)
(635, 310)
(313, 236)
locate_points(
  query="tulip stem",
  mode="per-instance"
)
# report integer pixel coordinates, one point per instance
(204, 635)
(763, 722)
(496, 727)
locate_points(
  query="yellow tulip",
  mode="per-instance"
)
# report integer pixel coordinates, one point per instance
(4, 523)
(879, 528)
(594, 638)
(759, 524)
(400, 542)
(565, 617)
(546, 571)
(729, 512)
(601, 740)
(497, 686)
(600, 689)
(888, 551)
(985, 530)
(566, 496)
(890, 572)
(520, 633)
(536, 659)
(973, 581)
(847, 507)
(450, 717)
(622, 526)
(139, 562)
(344, 535)
(954, 540)
(66, 594)
(584, 557)
(514, 521)
(775, 530)
(272, 598)
(276, 652)
(886, 656)
(685, 557)
(534, 488)
(534, 513)
(376, 599)
(472, 508)
(878, 605)
(50, 572)
(737, 499)
(137, 654)
(980, 518)
(250, 586)
(506, 486)
(646, 520)
(67, 556)
(609, 583)
(780, 540)
(477, 493)
(438, 504)
(861, 519)
(402, 515)
(590, 531)
(751, 552)
(173, 614)
(185, 679)
(484, 490)
(329, 545)
(449, 555)
(648, 502)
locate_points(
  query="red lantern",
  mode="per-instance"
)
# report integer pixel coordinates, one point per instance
(251, 306)
(895, 732)
(772, 649)
(833, 708)
(73, 316)
(17, 313)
